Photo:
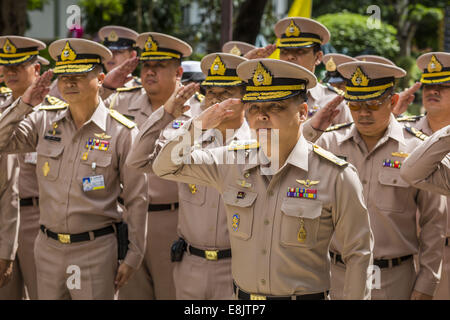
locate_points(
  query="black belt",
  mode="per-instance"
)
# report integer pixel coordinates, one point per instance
(242, 295)
(70, 238)
(382, 263)
(209, 254)
(29, 202)
(156, 207)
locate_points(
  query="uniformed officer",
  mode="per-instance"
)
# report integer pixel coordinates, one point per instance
(192, 72)
(300, 43)
(81, 149)
(237, 48)
(161, 72)
(435, 96)
(377, 145)
(374, 58)
(203, 267)
(332, 76)
(21, 65)
(283, 201)
(9, 221)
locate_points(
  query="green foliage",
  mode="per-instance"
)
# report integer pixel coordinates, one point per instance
(350, 35)
(36, 4)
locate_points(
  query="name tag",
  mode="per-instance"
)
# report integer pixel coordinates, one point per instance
(52, 138)
(93, 183)
(31, 157)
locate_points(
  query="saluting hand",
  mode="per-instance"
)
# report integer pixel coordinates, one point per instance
(406, 98)
(213, 116)
(324, 116)
(175, 104)
(38, 89)
(260, 53)
(124, 274)
(6, 268)
(120, 75)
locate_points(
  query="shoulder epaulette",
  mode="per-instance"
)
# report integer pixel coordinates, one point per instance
(409, 118)
(199, 96)
(415, 132)
(122, 119)
(243, 145)
(125, 89)
(51, 103)
(51, 108)
(137, 80)
(335, 90)
(5, 91)
(329, 156)
(338, 126)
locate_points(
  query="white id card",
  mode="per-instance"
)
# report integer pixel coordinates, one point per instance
(31, 157)
(93, 183)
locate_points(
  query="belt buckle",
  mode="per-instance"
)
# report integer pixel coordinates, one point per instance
(257, 297)
(64, 238)
(211, 255)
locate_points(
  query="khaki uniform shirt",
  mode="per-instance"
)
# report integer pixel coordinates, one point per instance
(202, 220)
(62, 166)
(392, 202)
(319, 96)
(428, 167)
(28, 185)
(135, 105)
(265, 225)
(9, 207)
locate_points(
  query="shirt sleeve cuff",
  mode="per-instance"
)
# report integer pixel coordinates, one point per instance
(133, 259)
(425, 284)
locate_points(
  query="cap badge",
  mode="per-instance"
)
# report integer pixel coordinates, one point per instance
(9, 47)
(68, 53)
(151, 45)
(262, 76)
(359, 78)
(330, 65)
(113, 37)
(235, 51)
(218, 67)
(434, 65)
(292, 30)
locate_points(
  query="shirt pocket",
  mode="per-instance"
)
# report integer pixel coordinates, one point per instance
(48, 162)
(394, 191)
(240, 211)
(300, 221)
(192, 193)
(95, 165)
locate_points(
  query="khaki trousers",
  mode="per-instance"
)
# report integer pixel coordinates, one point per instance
(23, 283)
(199, 279)
(79, 271)
(154, 278)
(396, 283)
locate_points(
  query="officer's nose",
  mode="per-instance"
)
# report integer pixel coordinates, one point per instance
(263, 117)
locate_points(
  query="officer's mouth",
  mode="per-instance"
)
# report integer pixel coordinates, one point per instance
(432, 99)
(71, 92)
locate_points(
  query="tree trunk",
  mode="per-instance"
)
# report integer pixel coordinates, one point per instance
(13, 15)
(248, 22)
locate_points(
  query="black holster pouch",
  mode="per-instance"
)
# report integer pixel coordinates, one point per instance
(178, 248)
(122, 239)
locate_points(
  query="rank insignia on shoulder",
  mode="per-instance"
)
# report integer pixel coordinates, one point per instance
(5, 91)
(329, 156)
(338, 126)
(335, 90)
(125, 89)
(243, 145)
(415, 132)
(177, 124)
(199, 97)
(54, 101)
(121, 118)
(409, 118)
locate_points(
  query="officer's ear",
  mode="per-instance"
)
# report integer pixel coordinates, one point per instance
(37, 69)
(394, 100)
(100, 77)
(179, 73)
(303, 111)
(319, 57)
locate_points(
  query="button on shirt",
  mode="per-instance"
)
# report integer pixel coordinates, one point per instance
(268, 258)
(62, 164)
(392, 202)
